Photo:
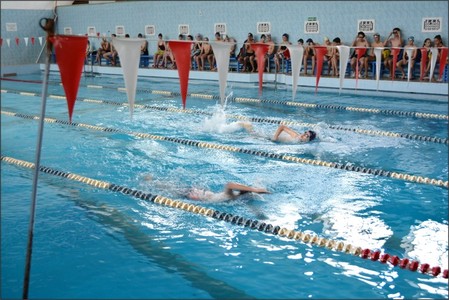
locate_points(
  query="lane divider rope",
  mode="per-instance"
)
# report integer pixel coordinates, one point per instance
(286, 103)
(307, 238)
(284, 157)
(254, 119)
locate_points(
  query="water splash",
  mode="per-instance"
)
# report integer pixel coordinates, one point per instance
(231, 93)
(218, 122)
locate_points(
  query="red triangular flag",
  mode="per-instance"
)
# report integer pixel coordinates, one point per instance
(261, 50)
(17, 41)
(181, 52)
(443, 58)
(395, 52)
(320, 52)
(32, 40)
(70, 52)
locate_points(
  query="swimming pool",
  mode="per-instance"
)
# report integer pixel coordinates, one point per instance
(96, 242)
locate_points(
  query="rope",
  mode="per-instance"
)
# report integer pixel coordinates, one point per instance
(286, 103)
(299, 236)
(284, 157)
(253, 119)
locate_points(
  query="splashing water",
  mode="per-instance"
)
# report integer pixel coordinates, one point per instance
(226, 100)
(217, 122)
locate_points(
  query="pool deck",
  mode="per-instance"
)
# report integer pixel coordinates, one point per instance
(385, 85)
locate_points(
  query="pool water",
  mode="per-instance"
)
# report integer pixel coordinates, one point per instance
(93, 243)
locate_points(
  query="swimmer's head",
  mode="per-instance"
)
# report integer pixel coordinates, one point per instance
(312, 135)
(308, 136)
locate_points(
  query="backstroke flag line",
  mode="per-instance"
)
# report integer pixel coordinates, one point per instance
(344, 57)
(409, 52)
(320, 51)
(443, 58)
(70, 53)
(181, 52)
(129, 51)
(222, 52)
(260, 49)
(378, 54)
(433, 61)
(296, 56)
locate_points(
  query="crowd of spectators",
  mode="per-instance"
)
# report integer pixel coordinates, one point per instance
(362, 53)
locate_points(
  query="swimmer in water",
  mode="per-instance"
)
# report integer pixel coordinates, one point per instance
(231, 191)
(292, 136)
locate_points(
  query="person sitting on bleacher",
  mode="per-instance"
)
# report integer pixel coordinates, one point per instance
(271, 51)
(111, 55)
(416, 56)
(88, 51)
(283, 52)
(309, 53)
(159, 55)
(377, 43)
(104, 48)
(144, 47)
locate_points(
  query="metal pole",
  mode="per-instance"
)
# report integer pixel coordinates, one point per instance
(26, 280)
(49, 28)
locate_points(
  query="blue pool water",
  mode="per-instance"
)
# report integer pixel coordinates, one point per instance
(94, 243)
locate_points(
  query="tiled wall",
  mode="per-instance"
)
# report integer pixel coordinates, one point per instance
(27, 26)
(336, 18)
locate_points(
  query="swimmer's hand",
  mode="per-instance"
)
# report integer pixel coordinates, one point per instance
(261, 191)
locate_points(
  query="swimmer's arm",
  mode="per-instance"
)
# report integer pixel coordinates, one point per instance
(243, 189)
(283, 128)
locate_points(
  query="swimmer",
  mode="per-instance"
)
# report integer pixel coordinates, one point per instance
(231, 191)
(292, 136)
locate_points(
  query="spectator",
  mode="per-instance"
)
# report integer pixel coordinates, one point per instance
(329, 54)
(405, 59)
(144, 47)
(309, 52)
(105, 47)
(111, 55)
(283, 52)
(196, 51)
(376, 43)
(249, 54)
(206, 54)
(159, 55)
(427, 44)
(359, 42)
(271, 51)
(335, 57)
(394, 40)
